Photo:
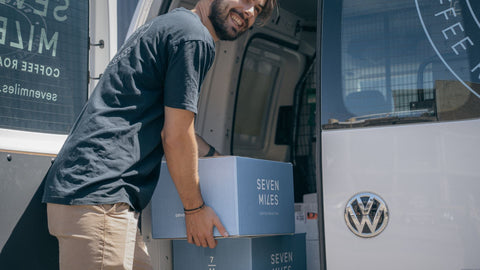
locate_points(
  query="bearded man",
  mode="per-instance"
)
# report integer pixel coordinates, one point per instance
(142, 108)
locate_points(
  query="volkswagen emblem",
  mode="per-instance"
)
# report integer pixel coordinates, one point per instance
(366, 215)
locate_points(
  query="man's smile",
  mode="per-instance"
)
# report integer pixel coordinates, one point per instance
(237, 20)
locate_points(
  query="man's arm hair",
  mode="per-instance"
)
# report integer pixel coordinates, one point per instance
(180, 145)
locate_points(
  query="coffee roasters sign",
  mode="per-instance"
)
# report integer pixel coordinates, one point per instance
(43, 63)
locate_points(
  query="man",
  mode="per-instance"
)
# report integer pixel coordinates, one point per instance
(108, 168)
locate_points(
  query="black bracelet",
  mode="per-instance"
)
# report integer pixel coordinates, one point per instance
(211, 152)
(194, 209)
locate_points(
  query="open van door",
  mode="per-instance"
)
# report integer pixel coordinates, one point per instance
(400, 121)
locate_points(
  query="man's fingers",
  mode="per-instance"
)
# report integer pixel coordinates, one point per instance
(197, 241)
(203, 242)
(212, 243)
(193, 239)
(190, 239)
(220, 227)
(200, 227)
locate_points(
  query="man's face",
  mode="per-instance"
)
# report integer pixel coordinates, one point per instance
(231, 18)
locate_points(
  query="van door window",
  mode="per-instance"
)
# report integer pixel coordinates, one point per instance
(402, 61)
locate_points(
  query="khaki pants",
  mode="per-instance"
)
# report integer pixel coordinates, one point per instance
(98, 237)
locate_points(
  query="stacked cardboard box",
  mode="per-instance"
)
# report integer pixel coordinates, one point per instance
(252, 198)
(282, 252)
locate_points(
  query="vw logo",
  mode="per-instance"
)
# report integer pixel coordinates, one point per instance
(366, 215)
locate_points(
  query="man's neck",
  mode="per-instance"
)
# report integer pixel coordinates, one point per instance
(202, 9)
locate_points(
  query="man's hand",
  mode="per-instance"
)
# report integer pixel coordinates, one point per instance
(200, 227)
(204, 147)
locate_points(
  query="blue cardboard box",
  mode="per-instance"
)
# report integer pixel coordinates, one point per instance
(250, 196)
(284, 252)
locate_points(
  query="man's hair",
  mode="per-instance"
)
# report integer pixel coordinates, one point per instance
(267, 11)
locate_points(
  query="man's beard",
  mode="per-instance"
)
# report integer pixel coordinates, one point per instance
(220, 24)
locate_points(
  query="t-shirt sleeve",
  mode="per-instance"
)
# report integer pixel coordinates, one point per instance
(188, 64)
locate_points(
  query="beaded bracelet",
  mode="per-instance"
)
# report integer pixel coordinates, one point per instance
(194, 209)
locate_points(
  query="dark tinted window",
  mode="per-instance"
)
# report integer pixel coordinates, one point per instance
(43, 64)
(401, 61)
(254, 97)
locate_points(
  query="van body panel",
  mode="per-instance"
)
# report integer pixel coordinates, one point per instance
(429, 184)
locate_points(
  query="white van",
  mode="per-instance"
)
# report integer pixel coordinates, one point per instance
(375, 103)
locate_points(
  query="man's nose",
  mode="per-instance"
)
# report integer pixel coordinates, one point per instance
(249, 11)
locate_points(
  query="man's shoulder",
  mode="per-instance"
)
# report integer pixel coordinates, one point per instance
(183, 24)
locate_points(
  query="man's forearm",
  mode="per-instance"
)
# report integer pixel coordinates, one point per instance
(181, 153)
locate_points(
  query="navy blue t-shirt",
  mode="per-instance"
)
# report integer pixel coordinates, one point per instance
(114, 150)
